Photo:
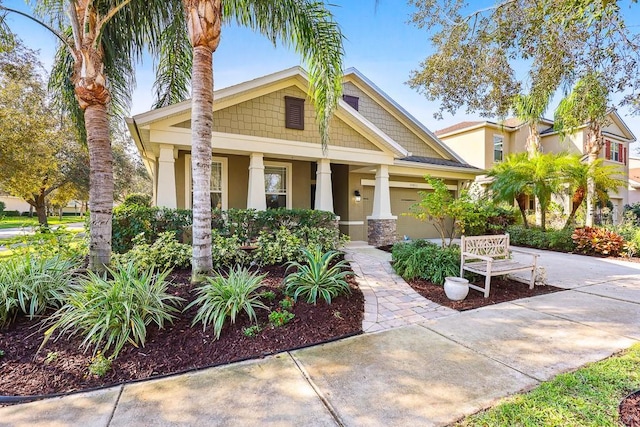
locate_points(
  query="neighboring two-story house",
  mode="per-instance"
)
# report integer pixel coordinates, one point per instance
(267, 153)
(483, 143)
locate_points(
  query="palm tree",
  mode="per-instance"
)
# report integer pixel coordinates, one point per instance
(545, 181)
(586, 104)
(529, 109)
(510, 181)
(520, 176)
(577, 174)
(93, 73)
(306, 25)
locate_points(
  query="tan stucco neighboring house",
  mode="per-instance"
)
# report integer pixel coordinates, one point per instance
(483, 143)
(14, 203)
(267, 153)
(634, 180)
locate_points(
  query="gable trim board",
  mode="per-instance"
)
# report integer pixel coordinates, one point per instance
(363, 155)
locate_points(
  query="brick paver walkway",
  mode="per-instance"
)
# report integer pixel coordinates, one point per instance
(389, 301)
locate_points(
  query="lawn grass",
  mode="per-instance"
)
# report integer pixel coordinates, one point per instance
(23, 221)
(586, 397)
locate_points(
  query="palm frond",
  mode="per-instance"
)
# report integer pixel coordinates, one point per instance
(309, 27)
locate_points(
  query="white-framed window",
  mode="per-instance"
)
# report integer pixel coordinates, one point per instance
(219, 183)
(498, 148)
(615, 152)
(277, 184)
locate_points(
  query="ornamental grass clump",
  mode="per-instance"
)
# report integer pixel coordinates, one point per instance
(317, 278)
(222, 298)
(111, 312)
(31, 285)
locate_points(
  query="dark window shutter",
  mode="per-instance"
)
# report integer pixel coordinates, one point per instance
(351, 100)
(624, 153)
(294, 113)
(607, 150)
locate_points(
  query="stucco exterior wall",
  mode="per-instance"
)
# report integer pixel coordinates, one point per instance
(14, 204)
(388, 123)
(264, 116)
(471, 146)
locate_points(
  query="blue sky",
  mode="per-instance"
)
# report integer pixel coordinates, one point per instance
(380, 43)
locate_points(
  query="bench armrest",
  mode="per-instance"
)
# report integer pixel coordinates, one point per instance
(475, 256)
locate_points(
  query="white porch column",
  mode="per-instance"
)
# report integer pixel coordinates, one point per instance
(166, 185)
(382, 195)
(256, 198)
(324, 194)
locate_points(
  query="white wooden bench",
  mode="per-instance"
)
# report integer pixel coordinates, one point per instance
(491, 256)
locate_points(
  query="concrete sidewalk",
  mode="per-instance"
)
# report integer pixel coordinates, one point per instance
(431, 372)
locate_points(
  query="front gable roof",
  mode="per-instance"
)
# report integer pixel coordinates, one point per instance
(354, 76)
(178, 115)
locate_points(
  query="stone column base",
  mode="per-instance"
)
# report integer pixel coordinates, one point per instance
(381, 232)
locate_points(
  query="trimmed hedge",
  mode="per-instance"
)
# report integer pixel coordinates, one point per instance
(557, 240)
(244, 224)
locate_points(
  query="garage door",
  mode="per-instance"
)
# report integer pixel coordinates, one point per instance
(401, 200)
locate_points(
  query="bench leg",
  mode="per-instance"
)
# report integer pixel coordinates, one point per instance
(533, 274)
(487, 285)
(532, 284)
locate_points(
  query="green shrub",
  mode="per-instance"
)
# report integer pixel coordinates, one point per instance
(100, 365)
(2, 207)
(224, 297)
(48, 243)
(164, 254)
(280, 318)
(275, 248)
(317, 277)
(31, 285)
(112, 312)
(251, 331)
(426, 260)
(137, 199)
(599, 241)
(226, 251)
(560, 240)
(130, 221)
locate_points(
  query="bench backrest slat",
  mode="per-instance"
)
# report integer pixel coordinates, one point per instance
(493, 246)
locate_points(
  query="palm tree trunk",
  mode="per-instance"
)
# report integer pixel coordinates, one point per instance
(521, 200)
(202, 121)
(203, 22)
(591, 193)
(576, 201)
(100, 185)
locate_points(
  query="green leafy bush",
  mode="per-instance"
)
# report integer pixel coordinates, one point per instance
(226, 251)
(2, 207)
(599, 241)
(278, 247)
(165, 253)
(30, 285)
(317, 277)
(280, 318)
(100, 365)
(559, 240)
(130, 221)
(224, 297)
(137, 199)
(112, 312)
(48, 243)
(426, 260)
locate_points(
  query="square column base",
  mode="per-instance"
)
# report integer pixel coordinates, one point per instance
(381, 232)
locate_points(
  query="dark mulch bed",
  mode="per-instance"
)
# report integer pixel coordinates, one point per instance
(502, 290)
(630, 410)
(178, 347)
